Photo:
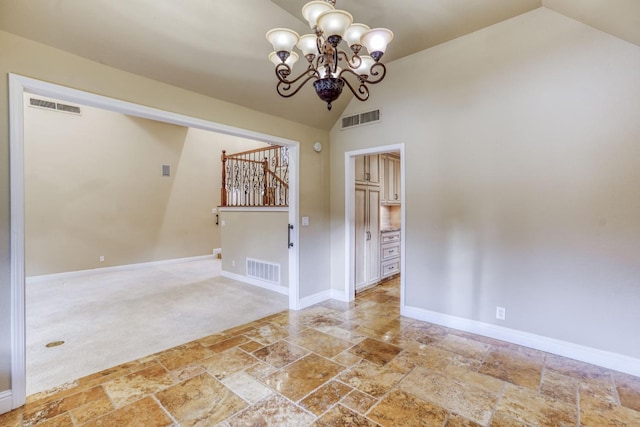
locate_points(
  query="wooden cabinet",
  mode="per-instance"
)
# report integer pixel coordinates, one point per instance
(367, 236)
(368, 170)
(389, 253)
(390, 172)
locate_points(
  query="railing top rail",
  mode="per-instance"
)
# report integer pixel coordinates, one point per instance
(255, 150)
(278, 178)
(245, 160)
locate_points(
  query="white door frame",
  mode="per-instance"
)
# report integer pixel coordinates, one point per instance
(18, 85)
(350, 215)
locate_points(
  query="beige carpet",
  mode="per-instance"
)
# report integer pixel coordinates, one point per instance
(110, 318)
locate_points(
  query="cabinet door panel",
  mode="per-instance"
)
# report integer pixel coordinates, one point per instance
(396, 181)
(373, 262)
(392, 196)
(360, 236)
(360, 170)
(373, 163)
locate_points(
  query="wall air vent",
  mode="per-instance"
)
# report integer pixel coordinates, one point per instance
(41, 103)
(68, 108)
(56, 106)
(360, 119)
(262, 270)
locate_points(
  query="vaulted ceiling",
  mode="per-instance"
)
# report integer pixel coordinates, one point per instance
(218, 48)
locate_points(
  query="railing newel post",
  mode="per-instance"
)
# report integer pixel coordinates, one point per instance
(265, 186)
(223, 190)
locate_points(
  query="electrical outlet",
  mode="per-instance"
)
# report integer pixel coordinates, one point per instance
(101, 258)
(233, 263)
(501, 313)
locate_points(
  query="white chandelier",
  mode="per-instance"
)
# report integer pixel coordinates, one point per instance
(327, 65)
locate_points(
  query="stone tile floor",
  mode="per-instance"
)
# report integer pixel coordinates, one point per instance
(338, 364)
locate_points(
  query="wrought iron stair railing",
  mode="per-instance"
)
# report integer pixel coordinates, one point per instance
(257, 177)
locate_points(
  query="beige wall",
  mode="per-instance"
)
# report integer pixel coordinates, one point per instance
(93, 187)
(24, 57)
(522, 178)
(259, 235)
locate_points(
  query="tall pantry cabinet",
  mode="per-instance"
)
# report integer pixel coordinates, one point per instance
(367, 221)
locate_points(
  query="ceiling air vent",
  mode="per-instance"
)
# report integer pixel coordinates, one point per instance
(360, 119)
(51, 105)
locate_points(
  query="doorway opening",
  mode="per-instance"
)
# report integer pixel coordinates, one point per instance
(18, 86)
(374, 218)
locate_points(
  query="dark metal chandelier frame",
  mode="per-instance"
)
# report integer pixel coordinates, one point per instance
(327, 64)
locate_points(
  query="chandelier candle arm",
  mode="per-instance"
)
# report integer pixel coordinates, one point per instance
(377, 72)
(327, 63)
(362, 93)
(353, 63)
(284, 85)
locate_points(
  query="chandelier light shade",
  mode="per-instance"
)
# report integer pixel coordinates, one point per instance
(308, 45)
(354, 33)
(282, 39)
(334, 23)
(313, 9)
(329, 66)
(376, 41)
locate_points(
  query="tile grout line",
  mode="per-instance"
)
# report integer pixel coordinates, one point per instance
(166, 411)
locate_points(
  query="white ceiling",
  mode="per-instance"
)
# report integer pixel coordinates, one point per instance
(218, 48)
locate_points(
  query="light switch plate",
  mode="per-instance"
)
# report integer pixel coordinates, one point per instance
(305, 221)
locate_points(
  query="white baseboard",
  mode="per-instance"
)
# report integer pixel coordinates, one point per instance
(127, 267)
(339, 295)
(314, 299)
(6, 401)
(606, 359)
(255, 282)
